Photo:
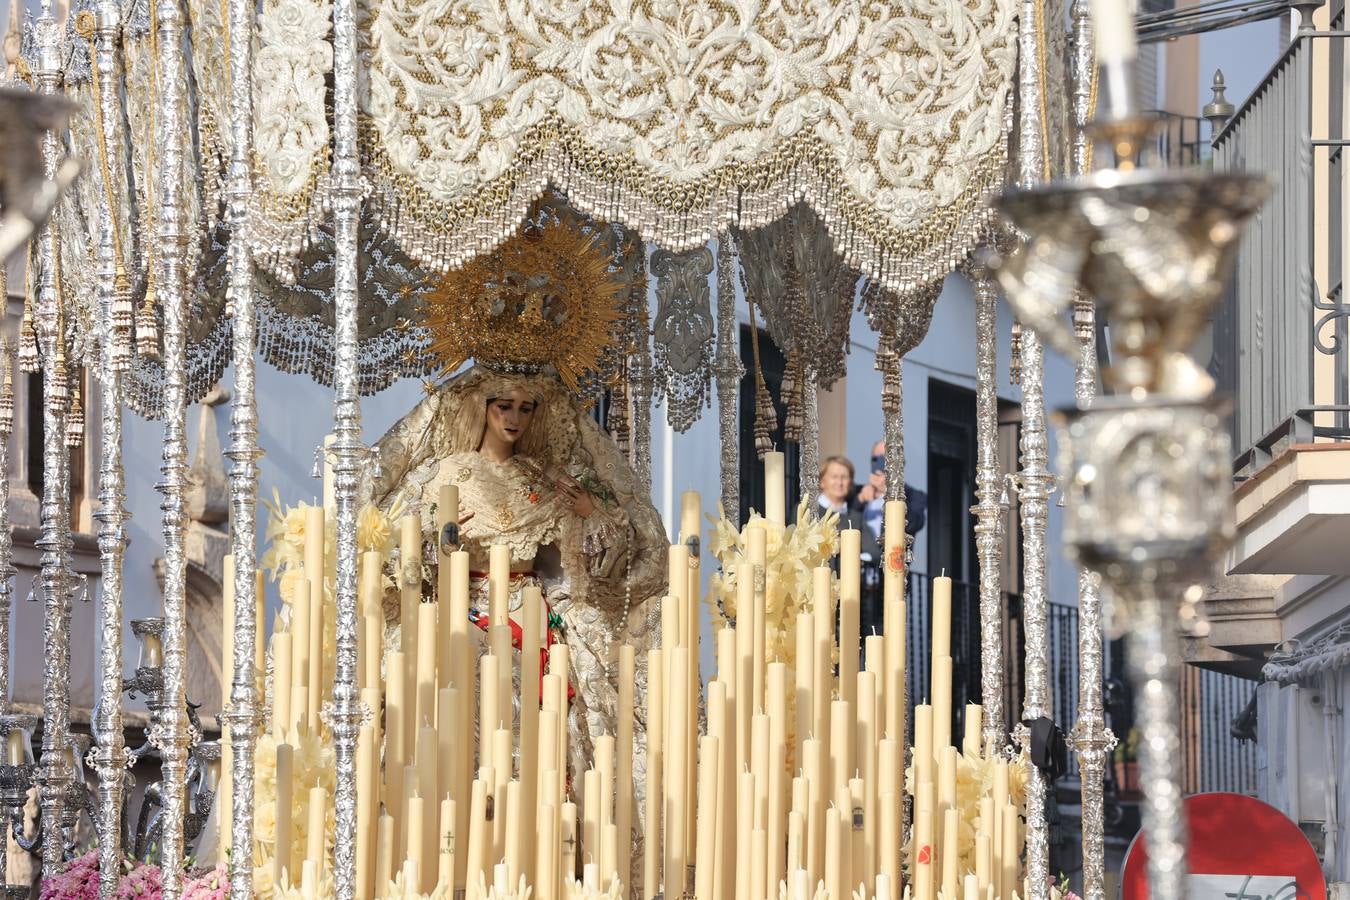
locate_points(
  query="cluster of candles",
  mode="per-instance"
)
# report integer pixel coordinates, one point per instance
(724, 817)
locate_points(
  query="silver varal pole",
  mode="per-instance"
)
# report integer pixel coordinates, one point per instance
(7, 572)
(728, 369)
(1092, 740)
(54, 540)
(109, 757)
(1034, 479)
(988, 512)
(6, 535)
(244, 714)
(345, 713)
(1148, 484)
(173, 730)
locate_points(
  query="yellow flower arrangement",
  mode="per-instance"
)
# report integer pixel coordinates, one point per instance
(792, 554)
(315, 765)
(314, 762)
(975, 780)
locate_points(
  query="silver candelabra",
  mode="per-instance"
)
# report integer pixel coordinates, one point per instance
(1148, 486)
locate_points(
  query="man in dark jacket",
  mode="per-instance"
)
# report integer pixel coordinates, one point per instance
(870, 506)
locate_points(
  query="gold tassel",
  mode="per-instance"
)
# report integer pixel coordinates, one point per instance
(1084, 317)
(793, 386)
(123, 320)
(766, 417)
(147, 330)
(6, 392)
(888, 364)
(75, 420)
(28, 348)
(57, 385)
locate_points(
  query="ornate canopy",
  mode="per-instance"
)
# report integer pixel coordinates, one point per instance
(880, 128)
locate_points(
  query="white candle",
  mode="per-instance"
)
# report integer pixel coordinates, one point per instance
(689, 516)
(316, 660)
(479, 838)
(651, 862)
(445, 868)
(835, 879)
(850, 587)
(745, 817)
(942, 617)
(708, 811)
(590, 815)
(889, 839)
(532, 639)
(757, 550)
(515, 828)
(546, 851)
(285, 799)
(678, 790)
(623, 782)
(1012, 851)
(569, 841)
(1113, 24)
(499, 583)
(366, 804)
(775, 487)
(950, 856)
(281, 684)
(804, 673)
(970, 743)
(417, 838)
(384, 853)
(315, 832)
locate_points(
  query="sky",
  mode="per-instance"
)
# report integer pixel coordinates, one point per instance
(1244, 54)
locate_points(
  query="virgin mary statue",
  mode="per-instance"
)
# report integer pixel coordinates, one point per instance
(535, 472)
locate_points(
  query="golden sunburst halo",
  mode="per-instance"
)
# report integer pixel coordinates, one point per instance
(552, 296)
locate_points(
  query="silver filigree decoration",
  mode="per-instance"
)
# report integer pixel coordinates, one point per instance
(173, 731)
(729, 371)
(682, 333)
(804, 288)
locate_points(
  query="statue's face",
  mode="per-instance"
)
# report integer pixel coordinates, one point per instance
(510, 415)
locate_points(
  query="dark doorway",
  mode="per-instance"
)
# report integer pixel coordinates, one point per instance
(951, 482)
(752, 470)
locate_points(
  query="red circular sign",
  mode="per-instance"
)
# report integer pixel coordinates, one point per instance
(1233, 834)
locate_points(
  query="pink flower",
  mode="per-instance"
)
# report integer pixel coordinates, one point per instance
(142, 883)
(214, 884)
(78, 881)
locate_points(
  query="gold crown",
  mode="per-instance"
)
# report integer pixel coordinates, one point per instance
(552, 296)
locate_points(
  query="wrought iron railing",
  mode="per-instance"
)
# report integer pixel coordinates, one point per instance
(1212, 702)
(1280, 336)
(1182, 140)
(965, 645)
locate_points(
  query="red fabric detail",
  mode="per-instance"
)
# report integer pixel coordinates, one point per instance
(517, 638)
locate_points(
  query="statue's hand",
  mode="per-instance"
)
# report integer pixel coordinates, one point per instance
(576, 496)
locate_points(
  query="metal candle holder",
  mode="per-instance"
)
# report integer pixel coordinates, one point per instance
(16, 780)
(1148, 485)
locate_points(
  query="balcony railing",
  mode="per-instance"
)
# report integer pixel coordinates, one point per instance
(1212, 702)
(1280, 336)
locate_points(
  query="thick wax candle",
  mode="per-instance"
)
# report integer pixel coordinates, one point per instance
(775, 488)
(850, 587)
(285, 799)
